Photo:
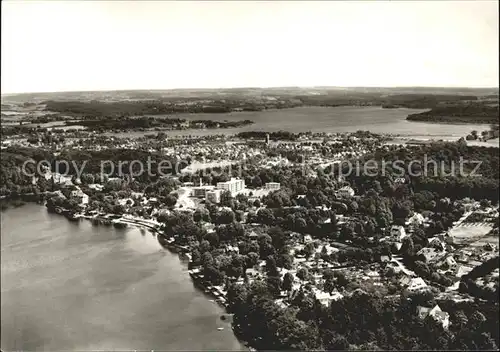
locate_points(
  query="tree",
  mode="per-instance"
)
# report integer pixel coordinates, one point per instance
(300, 224)
(324, 253)
(338, 343)
(207, 259)
(271, 268)
(303, 274)
(421, 268)
(284, 260)
(265, 216)
(476, 320)
(288, 282)
(485, 203)
(329, 285)
(252, 259)
(236, 298)
(274, 284)
(226, 216)
(341, 279)
(460, 319)
(485, 342)
(257, 182)
(170, 201)
(407, 247)
(195, 256)
(309, 249)
(226, 199)
(214, 275)
(278, 237)
(118, 209)
(334, 223)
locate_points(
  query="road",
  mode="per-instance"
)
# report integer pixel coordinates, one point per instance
(397, 260)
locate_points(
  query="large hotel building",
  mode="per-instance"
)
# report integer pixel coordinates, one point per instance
(234, 185)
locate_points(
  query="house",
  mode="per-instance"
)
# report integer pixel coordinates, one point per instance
(416, 219)
(385, 258)
(429, 254)
(272, 186)
(489, 247)
(201, 191)
(78, 193)
(437, 243)
(345, 192)
(463, 270)
(252, 273)
(328, 248)
(306, 238)
(214, 196)
(446, 238)
(448, 263)
(125, 201)
(435, 313)
(398, 233)
(232, 249)
(397, 246)
(416, 284)
(325, 298)
(253, 235)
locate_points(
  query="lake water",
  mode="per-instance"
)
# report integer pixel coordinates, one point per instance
(328, 119)
(73, 286)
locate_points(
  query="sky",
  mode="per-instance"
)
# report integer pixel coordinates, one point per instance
(51, 46)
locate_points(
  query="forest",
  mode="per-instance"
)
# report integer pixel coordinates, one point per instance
(467, 113)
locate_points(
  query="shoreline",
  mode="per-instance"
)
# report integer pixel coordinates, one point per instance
(212, 292)
(452, 122)
(208, 291)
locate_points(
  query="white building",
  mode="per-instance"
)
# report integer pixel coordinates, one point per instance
(416, 284)
(325, 298)
(234, 185)
(449, 262)
(345, 192)
(214, 196)
(430, 254)
(201, 191)
(436, 313)
(272, 186)
(398, 233)
(416, 219)
(78, 193)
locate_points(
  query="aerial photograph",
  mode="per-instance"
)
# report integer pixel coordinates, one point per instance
(249, 175)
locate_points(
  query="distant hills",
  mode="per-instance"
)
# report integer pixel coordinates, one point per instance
(374, 93)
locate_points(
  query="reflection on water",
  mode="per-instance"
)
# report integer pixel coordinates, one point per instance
(74, 286)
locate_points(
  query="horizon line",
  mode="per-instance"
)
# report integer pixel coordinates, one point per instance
(251, 87)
